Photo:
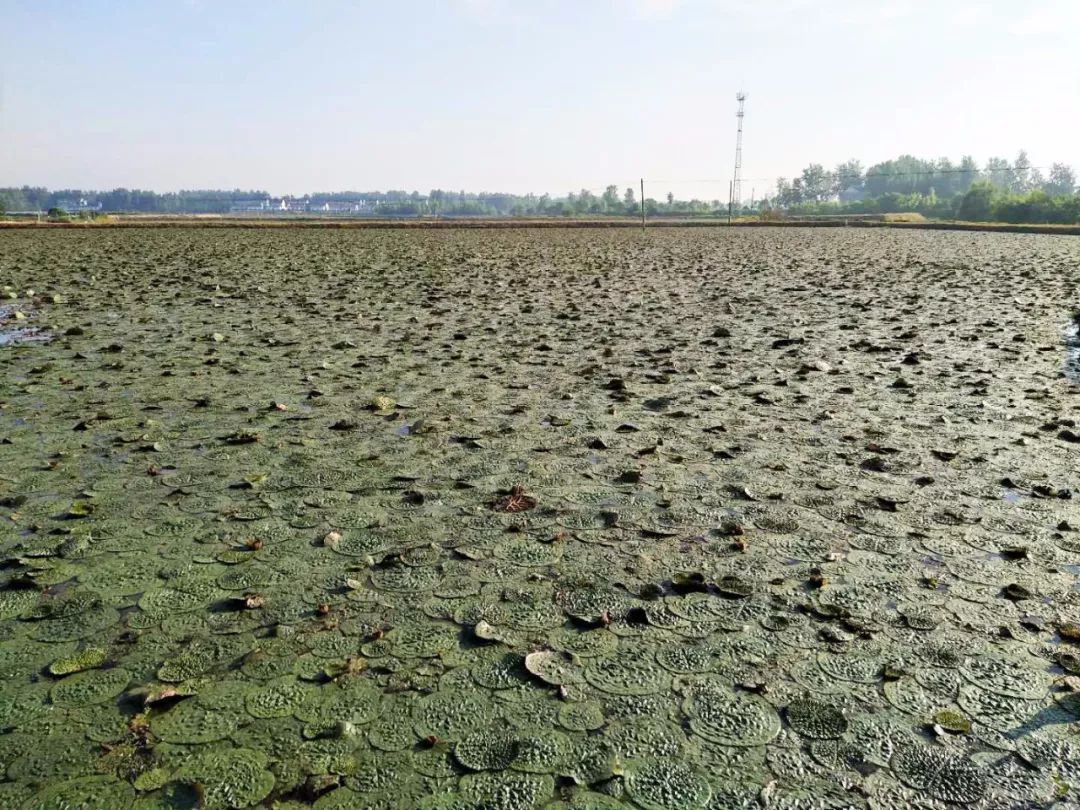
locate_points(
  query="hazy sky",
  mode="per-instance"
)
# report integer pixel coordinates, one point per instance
(522, 95)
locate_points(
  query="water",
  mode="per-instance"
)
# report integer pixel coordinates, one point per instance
(13, 332)
(1072, 349)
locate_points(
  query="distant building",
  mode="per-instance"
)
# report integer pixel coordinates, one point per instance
(72, 205)
(250, 206)
(302, 205)
(852, 195)
(293, 205)
(339, 207)
(271, 205)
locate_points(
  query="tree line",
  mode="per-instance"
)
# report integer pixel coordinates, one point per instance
(1001, 190)
(437, 202)
(907, 175)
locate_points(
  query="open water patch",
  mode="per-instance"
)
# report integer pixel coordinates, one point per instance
(1072, 349)
(15, 327)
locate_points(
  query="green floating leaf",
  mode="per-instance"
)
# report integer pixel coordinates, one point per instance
(90, 658)
(81, 509)
(381, 403)
(656, 784)
(953, 721)
(688, 581)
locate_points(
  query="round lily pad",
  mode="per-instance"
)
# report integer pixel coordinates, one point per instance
(191, 722)
(501, 671)
(541, 750)
(85, 793)
(731, 718)
(88, 688)
(658, 784)
(490, 750)
(88, 658)
(54, 756)
(624, 675)
(587, 800)
(1012, 677)
(686, 660)
(230, 778)
(279, 698)
(452, 714)
(646, 737)
(552, 667)
(507, 790)
(585, 716)
(15, 601)
(944, 775)
(815, 718)
(392, 729)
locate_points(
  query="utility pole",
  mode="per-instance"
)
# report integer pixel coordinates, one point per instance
(642, 203)
(730, 199)
(736, 182)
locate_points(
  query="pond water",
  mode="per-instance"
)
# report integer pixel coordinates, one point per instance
(539, 519)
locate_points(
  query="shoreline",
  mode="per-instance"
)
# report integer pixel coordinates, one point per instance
(211, 221)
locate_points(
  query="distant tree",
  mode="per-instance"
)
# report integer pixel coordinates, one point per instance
(998, 172)
(967, 173)
(904, 175)
(55, 213)
(849, 174)
(791, 193)
(1020, 180)
(1062, 180)
(588, 203)
(783, 191)
(944, 179)
(817, 183)
(610, 199)
(629, 199)
(670, 200)
(977, 204)
(1036, 180)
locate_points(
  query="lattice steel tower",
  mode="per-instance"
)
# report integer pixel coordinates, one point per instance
(736, 181)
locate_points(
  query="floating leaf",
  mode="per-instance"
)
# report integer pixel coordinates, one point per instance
(1016, 592)
(81, 509)
(90, 658)
(381, 403)
(553, 667)
(953, 721)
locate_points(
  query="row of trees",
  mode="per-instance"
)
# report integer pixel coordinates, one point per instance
(384, 203)
(982, 202)
(906, 175)
(33, 198)
(1008, 191)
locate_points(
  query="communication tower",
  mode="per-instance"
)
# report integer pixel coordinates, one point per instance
(736, 182)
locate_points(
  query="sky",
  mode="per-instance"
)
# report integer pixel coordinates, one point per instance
(522, 95)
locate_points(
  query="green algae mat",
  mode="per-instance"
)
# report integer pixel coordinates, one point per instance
(539, 519)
